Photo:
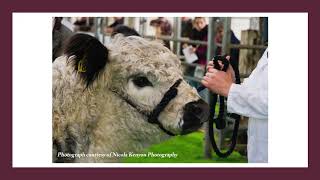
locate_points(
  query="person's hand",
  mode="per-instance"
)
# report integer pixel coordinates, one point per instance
(211, 66)
(193, 50)
(218, 81)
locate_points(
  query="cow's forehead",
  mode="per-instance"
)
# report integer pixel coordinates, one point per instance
(134, 49)
(135, 44)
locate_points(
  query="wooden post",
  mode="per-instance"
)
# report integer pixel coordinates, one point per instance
(248, 58)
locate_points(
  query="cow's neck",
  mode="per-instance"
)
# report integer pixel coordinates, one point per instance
(122, 128)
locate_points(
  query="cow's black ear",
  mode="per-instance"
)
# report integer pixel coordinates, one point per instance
(87, 55)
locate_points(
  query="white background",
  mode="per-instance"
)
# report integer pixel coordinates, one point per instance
(288, 90)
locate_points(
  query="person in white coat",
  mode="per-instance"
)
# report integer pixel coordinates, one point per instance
(248, 99)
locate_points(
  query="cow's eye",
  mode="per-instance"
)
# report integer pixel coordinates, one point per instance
(141, 81)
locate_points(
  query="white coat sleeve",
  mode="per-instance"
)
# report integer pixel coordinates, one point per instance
(250, 99)
(247, 101)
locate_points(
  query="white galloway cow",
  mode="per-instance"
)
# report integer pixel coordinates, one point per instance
(119, 98)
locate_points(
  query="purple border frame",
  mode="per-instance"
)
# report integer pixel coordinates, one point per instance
(7, 172)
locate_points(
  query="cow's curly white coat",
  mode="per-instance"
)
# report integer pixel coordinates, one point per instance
(99, 120)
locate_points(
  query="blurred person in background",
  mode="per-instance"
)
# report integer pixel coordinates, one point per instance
(60, 33)
(200, 33)
(117, 21)
(84, 24)
(163, 28)
(186, 27)
(186, 30)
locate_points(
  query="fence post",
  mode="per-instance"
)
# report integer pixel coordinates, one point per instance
(211, 49)
(177, 35)
(226, 35)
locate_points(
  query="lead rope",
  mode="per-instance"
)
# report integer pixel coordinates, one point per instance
(219, 121)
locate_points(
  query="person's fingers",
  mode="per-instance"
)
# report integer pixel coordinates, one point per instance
(231, 73)
(205, 83)
(221, 65)
(210, 67)
(210, 75)
(206, 78)
(230, 69)
(212, 70)
(228, 58)
(210, 63)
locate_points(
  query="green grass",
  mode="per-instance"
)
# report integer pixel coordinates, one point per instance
(189, 149)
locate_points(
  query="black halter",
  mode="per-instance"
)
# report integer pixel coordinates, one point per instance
(153, 116)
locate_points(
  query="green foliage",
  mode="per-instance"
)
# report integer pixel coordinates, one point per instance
(189, 149)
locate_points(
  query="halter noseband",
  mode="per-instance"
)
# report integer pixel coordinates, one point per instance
(153, 116)
(168, 96)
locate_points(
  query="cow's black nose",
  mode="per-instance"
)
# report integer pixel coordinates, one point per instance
(195, 113)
